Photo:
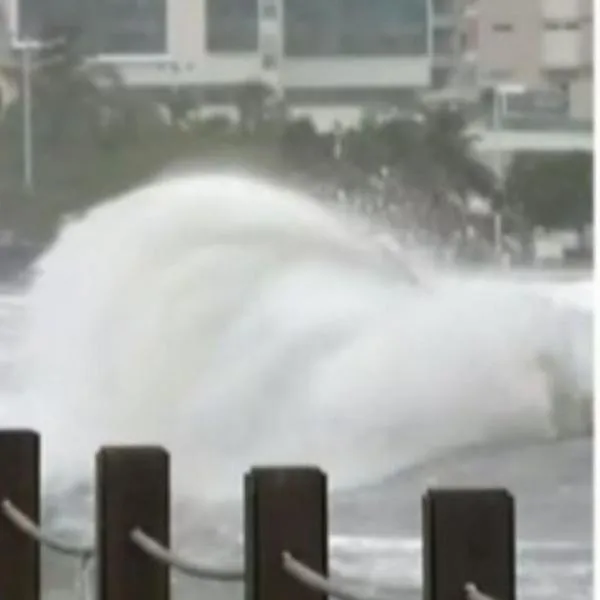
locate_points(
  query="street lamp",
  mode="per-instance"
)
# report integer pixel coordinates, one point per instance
(499, 93)
(499, 110)
(27, 47)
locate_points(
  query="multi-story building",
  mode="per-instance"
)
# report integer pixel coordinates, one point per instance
(538, 45)
(330, 52)
(335, 57)
(446, 26)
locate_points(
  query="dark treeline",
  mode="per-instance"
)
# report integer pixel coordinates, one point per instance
(94, 137)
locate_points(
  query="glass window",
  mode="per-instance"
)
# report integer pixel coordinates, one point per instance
(232, 25)
(105, 26)
(443, 42)
(130, 26)
(553, 25)
(38, 16)
(355, 27)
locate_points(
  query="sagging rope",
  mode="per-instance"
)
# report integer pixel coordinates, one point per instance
(27, 526)
(163, 555)
(85, 553)
(328, 587)
(316, 581)
(160, 553)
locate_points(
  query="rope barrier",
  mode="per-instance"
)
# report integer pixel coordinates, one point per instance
(27, 526)
(473, 593)
(161, 554)
(86, 553)
(307, 576)
(316, 581)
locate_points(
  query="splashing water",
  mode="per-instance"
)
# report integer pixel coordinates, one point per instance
(237, 323)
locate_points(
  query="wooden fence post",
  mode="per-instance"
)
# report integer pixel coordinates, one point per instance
(132, 492)
(286, 510)
(19, 483)
(468, 536)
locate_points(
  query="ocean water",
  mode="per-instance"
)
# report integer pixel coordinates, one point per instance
(238, 323)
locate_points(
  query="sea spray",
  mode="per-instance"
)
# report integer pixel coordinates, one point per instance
(237, 323)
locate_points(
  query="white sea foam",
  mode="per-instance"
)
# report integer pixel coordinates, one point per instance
(237, 323)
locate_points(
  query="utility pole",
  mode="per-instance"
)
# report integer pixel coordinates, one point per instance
(499, 111)
(27, 47)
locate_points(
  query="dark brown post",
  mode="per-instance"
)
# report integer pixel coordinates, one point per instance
(132, 492)
(286, 510)
(19, 483)
(468, 536)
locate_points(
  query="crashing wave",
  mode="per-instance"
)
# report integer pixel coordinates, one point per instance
(238, 323)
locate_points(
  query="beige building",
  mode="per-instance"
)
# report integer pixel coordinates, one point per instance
(8, 91)
(538, 44)
(336, 52)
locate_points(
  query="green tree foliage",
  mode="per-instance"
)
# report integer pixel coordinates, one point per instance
(303, 148)
(94, 137)
(258, 107)
(552, 190)
(432, 153)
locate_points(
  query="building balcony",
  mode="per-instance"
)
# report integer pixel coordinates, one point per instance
(532, 140)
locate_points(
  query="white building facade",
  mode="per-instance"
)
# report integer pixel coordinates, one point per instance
(335, 59)
(317, 52)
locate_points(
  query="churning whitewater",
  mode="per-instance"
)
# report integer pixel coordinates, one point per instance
(238, 323)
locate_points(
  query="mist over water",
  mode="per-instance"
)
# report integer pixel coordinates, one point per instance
(238, 323)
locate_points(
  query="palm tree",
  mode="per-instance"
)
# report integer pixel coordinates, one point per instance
(425, 165)
(258, 104)
(180, 102)
(81, 107)
(440, 153)
(89, 100)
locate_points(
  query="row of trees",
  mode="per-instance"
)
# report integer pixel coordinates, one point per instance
(93, 137)
(554, 191)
